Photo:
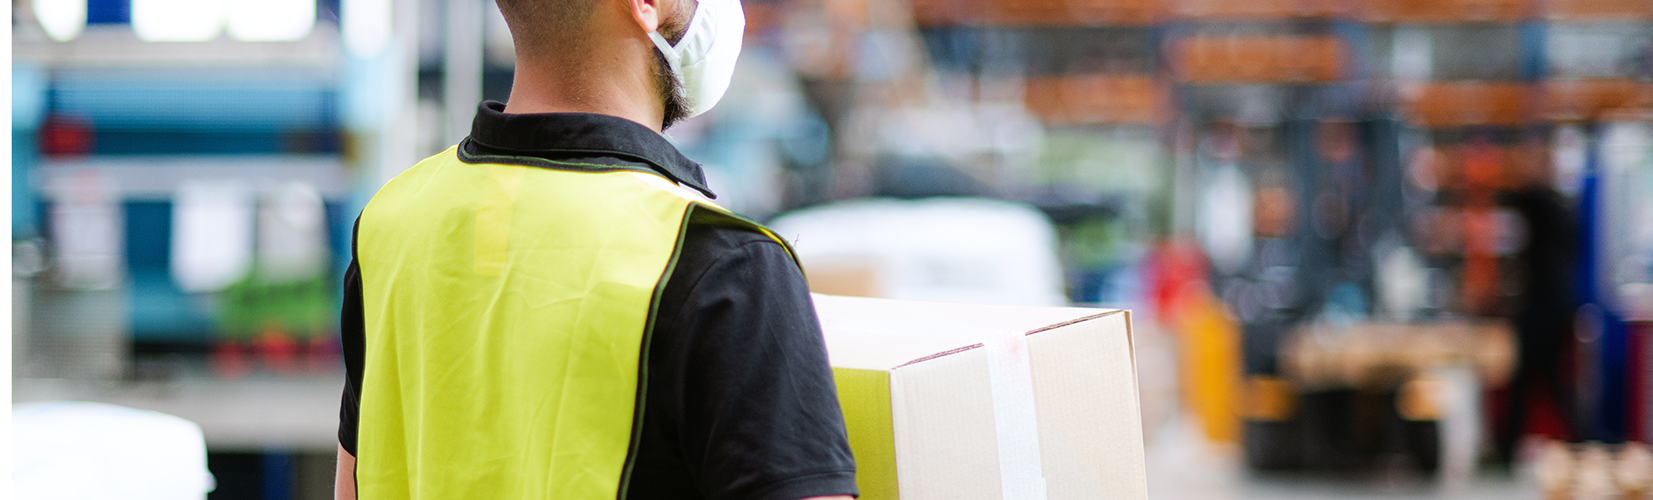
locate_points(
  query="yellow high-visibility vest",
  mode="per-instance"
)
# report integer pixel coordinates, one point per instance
(507, 309)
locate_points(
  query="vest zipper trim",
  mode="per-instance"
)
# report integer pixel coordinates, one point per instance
(643, 359)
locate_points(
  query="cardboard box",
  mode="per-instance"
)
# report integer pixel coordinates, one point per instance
(950, 401)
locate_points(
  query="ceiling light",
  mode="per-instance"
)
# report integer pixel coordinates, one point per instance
(63, 20)
(271, 20)
(177, 20)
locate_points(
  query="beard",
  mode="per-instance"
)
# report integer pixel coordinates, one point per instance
(670, 87)
(671, 93)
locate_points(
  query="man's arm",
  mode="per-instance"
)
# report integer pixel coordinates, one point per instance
(344, 481)
(352, 347)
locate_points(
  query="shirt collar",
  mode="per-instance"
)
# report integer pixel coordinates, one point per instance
(561, 135)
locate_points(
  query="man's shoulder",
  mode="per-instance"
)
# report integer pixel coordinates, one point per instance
(712, 241)
(735, 264)
(717, 229)
(714, 230)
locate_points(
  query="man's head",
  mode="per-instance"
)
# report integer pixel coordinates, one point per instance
(576, 39)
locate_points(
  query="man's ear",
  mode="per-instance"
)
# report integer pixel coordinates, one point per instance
(646, 13)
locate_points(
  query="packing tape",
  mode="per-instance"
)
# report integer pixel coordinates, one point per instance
(1016, 424)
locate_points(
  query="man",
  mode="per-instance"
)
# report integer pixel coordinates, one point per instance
(551, 309)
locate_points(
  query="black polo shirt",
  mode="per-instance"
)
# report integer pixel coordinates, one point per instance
(740, 401)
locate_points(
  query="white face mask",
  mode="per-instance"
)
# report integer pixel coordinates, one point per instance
(704, 59)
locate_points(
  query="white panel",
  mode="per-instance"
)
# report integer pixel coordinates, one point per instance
(77, 449)
(943, 249)
(88, 229)
(366, 26)
(212, 233)
(292, 234)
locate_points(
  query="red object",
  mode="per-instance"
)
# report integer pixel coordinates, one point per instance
(1639, 386)
(1480, 278)
(277, 350)
(1170, 272)
(228, 362)
(321, 354)
(66, 135)
(1543, 413)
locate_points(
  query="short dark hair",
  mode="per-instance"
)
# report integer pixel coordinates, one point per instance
(561, 27)
(541, 25)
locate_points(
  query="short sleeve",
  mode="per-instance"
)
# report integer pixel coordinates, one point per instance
(741, 395)
(352, 343)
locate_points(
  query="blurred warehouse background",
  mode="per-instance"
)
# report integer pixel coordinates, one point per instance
(1362, 238)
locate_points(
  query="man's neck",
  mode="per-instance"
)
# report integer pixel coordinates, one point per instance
(619, 86)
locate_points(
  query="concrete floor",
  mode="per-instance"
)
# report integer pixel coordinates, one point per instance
(1183, 465)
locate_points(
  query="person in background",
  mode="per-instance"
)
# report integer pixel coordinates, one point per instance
(1542, 316)
(553, 308)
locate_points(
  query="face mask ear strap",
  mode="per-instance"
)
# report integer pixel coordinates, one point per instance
(665, 48)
